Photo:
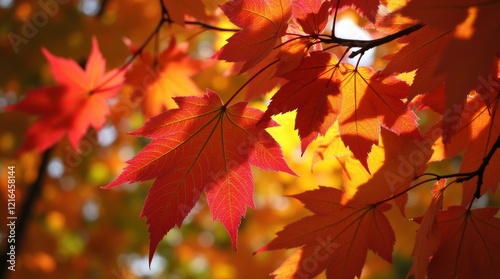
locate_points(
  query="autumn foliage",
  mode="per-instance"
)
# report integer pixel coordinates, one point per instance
(433, 98)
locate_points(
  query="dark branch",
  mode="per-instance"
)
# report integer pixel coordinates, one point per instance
(461, 177)
(365, 45)
(480, 171)
(211, 27)
(24, 216)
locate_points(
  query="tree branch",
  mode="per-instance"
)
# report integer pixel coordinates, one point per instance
(211, 27)
(480, 171)
(461, 177)
(26, 209)
(365, 45)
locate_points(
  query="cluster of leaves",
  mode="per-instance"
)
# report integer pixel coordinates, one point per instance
(366, 118)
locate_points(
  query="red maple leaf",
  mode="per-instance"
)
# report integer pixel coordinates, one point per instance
(335, 238)
(313, 92)
(263, 23)
(311, 15)
(469, 244)
(203, 146)
(78, 102)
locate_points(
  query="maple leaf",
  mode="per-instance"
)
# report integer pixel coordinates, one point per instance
(203, 146)
(178, 9)
(311, 91)
(262, 22)
(370, 101)
(77, 103)
(335, 238)
(322, 89)
(294, 50)
(156, 81)
(469, 244)
(367, 8)
(394, 163)
(473, 29)
(427, 238)
(311, 15)
(477, 150)
(423, 51)
(392, 23)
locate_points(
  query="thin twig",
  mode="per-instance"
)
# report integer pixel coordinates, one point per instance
(211, 27)
(365, 45)
(250, 80)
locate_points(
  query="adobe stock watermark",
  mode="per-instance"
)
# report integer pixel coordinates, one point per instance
(407, 164)
(322, 251)
(31, 27)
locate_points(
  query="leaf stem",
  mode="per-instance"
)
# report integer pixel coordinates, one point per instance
(249, 80)
(131, 58)
(404, 191)
(461, 177)
(335, 18)
(165, 18)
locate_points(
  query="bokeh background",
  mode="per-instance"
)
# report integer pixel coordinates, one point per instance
(78, 230)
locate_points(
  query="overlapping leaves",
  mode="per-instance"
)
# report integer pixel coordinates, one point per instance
(323, 91)
(336, 238)
(206, 147)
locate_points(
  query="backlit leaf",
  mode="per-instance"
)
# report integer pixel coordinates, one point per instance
(201, 147)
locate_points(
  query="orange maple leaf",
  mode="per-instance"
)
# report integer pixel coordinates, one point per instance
(157, 81)
(427, 238)
(394, 163)
(370, 101)
(78, 102)
(478, 130)
(477, 150)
